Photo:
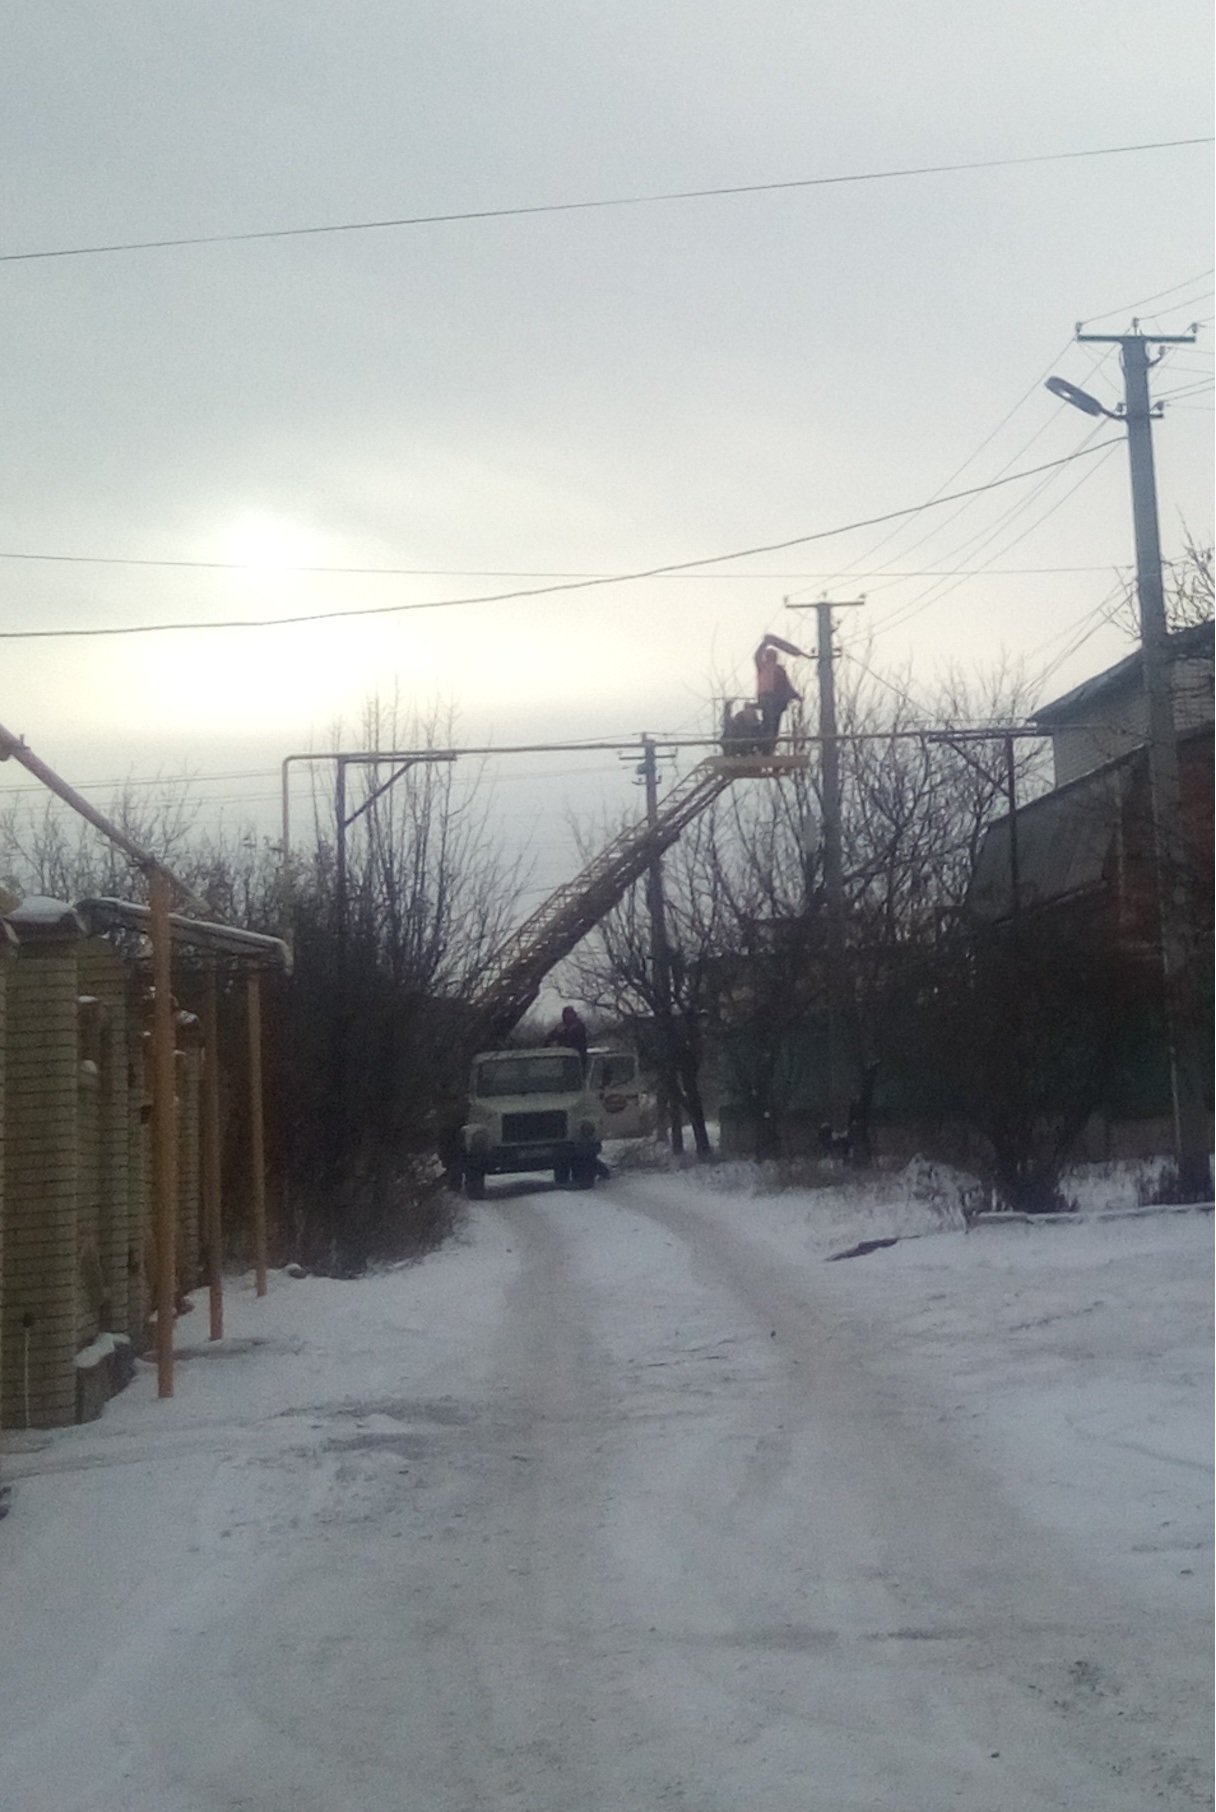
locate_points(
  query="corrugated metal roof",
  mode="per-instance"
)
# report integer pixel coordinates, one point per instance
(1183, 644)
(1063, 844)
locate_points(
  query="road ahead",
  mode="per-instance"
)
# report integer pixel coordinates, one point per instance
(665, 1536)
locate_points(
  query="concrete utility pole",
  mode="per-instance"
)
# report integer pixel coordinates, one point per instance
(1182, 1020)
(660, 952)
(833, 862)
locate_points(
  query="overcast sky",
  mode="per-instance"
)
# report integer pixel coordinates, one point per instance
(494, 402)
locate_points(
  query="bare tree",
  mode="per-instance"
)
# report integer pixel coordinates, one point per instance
(45, 848)
(370, 1034)
(1190, 590)
(615, 972)
(919, 788)
(380, 1036)
(1023, 1032)
(747, 911)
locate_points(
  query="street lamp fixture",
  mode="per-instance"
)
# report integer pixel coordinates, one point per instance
(1080, 399)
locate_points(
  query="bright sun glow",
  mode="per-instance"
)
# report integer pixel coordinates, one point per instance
(268, 545)
(257, 679)
(295, 681)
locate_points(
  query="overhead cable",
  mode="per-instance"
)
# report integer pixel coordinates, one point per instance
(910, 607)
(1129, 307)
(570, 207)
(479, 572)
(536, 591)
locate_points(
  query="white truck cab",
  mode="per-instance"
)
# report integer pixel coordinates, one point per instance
(541, 1110)
(613, 1078)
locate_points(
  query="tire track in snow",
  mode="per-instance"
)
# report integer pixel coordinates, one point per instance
(986, 1620)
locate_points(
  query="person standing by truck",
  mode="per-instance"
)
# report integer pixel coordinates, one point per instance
(571, 1032)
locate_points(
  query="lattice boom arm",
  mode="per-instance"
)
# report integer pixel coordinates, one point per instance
(554, 929)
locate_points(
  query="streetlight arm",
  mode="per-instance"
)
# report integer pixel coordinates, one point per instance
(1080, 399)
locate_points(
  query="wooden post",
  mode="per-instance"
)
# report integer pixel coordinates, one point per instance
(212, 1198)
(257, 1143)
(164, 1131)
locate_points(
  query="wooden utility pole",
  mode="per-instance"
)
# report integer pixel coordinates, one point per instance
(1191, 1146)
(257, 1141)
(164, 1129)
(212, 1201)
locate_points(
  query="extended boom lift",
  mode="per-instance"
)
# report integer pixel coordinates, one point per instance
(569, 913)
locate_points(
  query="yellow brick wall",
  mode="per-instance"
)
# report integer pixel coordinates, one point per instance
(189, 1176)
(139, 1171)
(41, 1272)
(88, 1175)
(103, 973)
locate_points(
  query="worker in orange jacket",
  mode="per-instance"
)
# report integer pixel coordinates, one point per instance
(774, 688)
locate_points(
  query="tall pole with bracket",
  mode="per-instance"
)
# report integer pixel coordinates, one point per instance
(1191, 1144)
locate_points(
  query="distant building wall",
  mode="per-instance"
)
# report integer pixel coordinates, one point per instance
(1107, 721)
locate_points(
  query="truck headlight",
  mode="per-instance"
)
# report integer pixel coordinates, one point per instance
(476, 1138)
(586, 1129)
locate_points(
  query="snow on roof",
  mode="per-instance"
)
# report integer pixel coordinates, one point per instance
(40, 911)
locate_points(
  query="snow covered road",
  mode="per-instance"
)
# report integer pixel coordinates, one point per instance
(628, 1500)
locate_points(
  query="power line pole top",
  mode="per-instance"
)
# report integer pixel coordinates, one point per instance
(1145, 339)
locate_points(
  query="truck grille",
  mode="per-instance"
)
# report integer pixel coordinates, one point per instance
(526, 1129)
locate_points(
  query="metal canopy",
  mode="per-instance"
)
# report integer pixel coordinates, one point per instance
(255, 947)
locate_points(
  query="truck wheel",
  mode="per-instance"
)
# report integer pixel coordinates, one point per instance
(583, 1172)
(474, 1184)
(561, 1173)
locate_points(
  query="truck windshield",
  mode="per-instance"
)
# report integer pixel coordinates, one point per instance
(525, 1075)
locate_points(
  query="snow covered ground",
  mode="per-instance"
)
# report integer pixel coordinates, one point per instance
(632, 1500)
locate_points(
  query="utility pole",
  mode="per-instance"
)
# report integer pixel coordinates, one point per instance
(1011, 794)
(1182, 1020)
(1006, 779)
(833, 862)
(660, 953)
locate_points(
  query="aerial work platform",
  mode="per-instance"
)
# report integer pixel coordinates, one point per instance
(574, 908)
(757, 767)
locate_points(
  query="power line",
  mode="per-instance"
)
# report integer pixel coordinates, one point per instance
(1196, 389)
(537, 591)
(482, 572)
(936, 528)
(902, 693)
(615, 201)
(856, 565)
(899, 612)
(1097, 360)
(1155, 297)
(168, 781)
(934, 593)
(1089, 626)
